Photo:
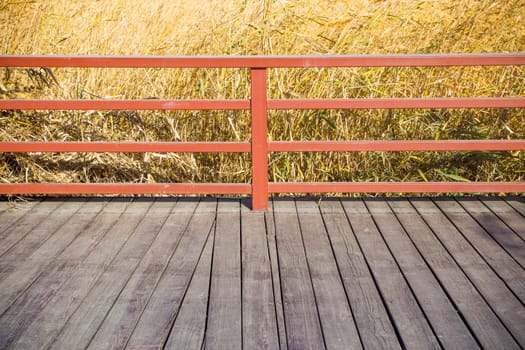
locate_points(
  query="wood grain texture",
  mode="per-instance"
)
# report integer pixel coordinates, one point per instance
(84, 322)
(502, 301)
(141, 273)
(12, 212)
(460, 222)
(405, 311)
(484, 323)
(26, 307)
(507, 214)
(276, 276)
(260, 330)
(303, 328)
(508, 239)
(120, 321)
(518, 203)
(225, 305)
(56, 232)
(371, 317)
(190, 325)
(337, 323)
(25, 226)
(71, 294)
(448, 326)
(153, 327)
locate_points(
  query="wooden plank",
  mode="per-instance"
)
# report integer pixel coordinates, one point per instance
(84, 322)
(26, 224)
(225, 305)
(503, 264)
(507, 214)
(441, 313)
(303, 328)
(259, 322)
(518, 203)
(337, 323)
(408, 318)
(70, 235)
(511, 242)
(36, 239)
(25, 308)
(369, 312)
(276, 276)
(153, 328)
(48, 323)
(120, 321)
(190, 325)
(481, 319)
(13, 211)
(58, 231)
(503, 302)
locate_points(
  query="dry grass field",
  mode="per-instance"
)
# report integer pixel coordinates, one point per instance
(265, 27)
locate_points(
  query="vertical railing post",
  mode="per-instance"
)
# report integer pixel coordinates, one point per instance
(259, 141)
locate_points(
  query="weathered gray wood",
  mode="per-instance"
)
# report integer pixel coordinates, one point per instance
(225, 305)
(518, 203)
(258, 308)
(25, 308)
(67, 233)
(12, 212)
(336, 318)
(25, 225)
(488, 329)
(62, 228)
(368, 309)
(81, 326)
(508, 308)
(276, 276)
(511, 242)
(444, 319)
(153, 327)
(499, 259)
(120, 321)
(190, 325)
(90, 269)
(507, 214)
(407, 315)
(67, 299)
(303, 327)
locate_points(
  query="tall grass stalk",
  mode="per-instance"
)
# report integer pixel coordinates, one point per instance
(241, 27)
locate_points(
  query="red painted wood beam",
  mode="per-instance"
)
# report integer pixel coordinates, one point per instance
(18, 147)
(394, 145)
(124, 104)
(398, 103)
(259, 140)
(395, 187)
(387, 103)
(498, 59)
(125, 188)
(273, 146)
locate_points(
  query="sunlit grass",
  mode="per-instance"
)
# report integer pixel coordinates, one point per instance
(242, 27)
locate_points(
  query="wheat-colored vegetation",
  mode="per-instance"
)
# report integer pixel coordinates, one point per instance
(269, 27)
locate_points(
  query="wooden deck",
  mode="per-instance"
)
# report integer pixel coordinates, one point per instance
(208, 273)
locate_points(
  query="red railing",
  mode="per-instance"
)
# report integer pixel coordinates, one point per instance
(259, 104)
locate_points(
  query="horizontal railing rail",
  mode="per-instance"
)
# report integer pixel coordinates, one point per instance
(258, 104)
(501, 59)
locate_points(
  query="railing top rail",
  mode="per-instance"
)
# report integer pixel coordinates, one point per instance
(421, 60)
